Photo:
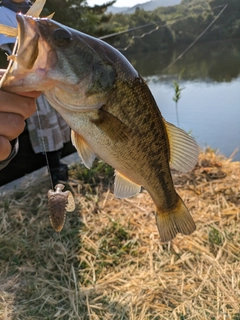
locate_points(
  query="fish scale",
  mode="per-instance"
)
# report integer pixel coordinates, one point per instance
(111, 111)
(154, 128)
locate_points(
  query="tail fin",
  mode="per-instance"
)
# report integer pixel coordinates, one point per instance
(173, 221)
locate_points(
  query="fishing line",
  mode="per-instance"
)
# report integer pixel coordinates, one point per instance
(193, 43)
(9, 64)
(38, 115)
(148, 25)
(144, 34)
(166, 25)
(140, 37)
(125, 31)
(44, 147)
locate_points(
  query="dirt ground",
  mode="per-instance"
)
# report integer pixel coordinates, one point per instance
(108, 261)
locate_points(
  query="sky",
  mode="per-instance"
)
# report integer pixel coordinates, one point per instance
(118, 3)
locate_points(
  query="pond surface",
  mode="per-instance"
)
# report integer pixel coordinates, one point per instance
(209, 106)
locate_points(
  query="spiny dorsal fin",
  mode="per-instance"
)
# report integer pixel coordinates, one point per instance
(183, 148)
(36, 8)
(83, 149)
(34, 11)
(124, 188)
(51, 15)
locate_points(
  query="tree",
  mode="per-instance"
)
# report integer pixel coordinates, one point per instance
(78, 15)
(157, 35)
(227, 25)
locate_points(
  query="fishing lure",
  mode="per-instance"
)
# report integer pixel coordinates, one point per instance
(58, 203)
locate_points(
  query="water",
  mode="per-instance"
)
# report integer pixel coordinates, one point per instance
(209, 106)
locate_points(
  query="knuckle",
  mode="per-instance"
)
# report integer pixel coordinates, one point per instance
(29, 107)
(5, 148)
(17, 124)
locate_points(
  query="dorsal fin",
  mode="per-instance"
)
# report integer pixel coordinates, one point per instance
(183, 148)
(50, 15)
(83, 149)
(36, 8)
(123, 187)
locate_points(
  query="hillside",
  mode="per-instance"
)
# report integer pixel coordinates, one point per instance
(147, 6)
(178, 24)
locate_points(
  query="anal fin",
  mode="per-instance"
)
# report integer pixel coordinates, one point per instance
(125, 188)
(83, 149)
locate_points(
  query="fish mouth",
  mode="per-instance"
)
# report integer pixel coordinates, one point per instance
(28, 37)
(29, 64)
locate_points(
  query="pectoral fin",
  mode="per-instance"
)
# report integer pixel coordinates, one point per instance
(83, 149)
(183, 148)
(114, 128)
(124, 188)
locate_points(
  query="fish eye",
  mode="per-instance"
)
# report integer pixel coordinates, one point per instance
(61, 37)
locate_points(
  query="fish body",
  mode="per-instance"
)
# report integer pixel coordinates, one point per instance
(111, 112)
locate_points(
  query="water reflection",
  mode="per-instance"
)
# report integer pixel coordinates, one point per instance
(209, 103)
(210, 111)
(217, 61)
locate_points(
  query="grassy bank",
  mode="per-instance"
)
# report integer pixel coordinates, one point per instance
(108, 263)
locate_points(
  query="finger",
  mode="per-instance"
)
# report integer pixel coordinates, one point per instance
(5, 148)
(11, 125)
(13, 103)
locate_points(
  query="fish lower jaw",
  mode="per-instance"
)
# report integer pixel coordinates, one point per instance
(22, 83)
(30, 94)
(22, 90)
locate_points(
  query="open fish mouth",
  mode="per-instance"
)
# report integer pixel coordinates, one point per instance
(27, 55)
(28, 36)
(25, 50)
(60, 62)
(32, 58)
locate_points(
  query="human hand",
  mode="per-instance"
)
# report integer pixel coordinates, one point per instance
(14, 109)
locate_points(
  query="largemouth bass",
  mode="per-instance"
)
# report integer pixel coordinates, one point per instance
(111, 112)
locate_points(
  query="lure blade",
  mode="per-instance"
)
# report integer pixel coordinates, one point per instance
(58, 203)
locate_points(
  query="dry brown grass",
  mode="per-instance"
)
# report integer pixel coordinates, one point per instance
(119, 269)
